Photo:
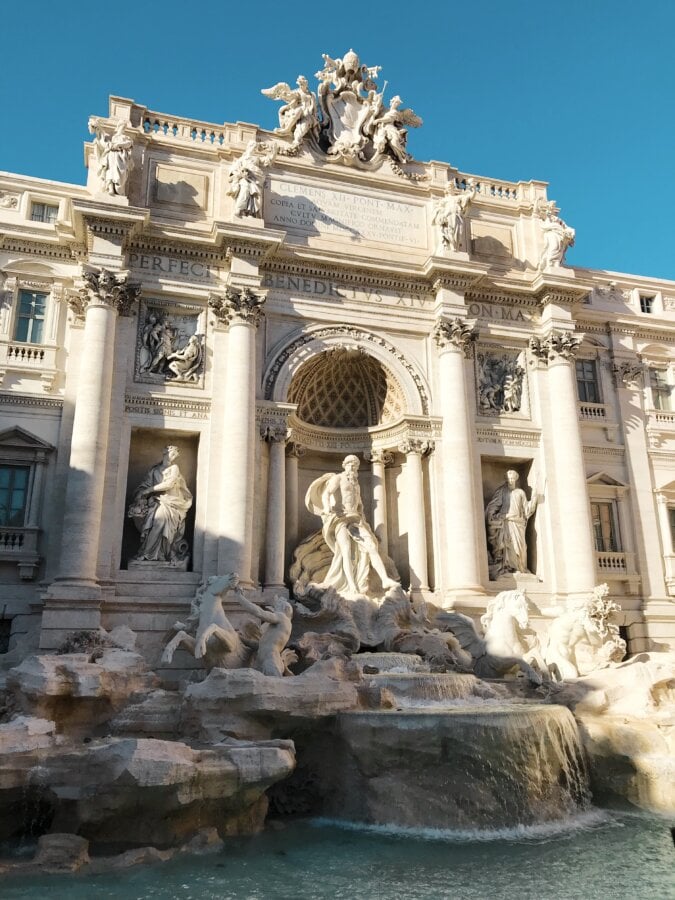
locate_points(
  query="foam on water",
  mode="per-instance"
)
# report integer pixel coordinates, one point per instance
(542, 832)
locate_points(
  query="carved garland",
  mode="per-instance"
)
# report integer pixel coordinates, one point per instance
(355, 334)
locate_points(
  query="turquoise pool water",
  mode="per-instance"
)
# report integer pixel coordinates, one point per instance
(599, 855)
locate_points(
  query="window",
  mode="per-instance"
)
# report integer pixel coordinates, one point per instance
(658, 380)
(13, 495)
(605, 527)
(646, 304)
(43, 212)
(30, 317)
(588, 387)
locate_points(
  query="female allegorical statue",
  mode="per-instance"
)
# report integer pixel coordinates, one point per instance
(159, 507)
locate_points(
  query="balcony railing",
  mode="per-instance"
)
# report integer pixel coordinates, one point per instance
(19, 545)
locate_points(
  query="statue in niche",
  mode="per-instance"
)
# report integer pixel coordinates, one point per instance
(450, 214)
(158, 509)
(506, 517)
(500, 383)
(298, 116)
(581, 638)
(209, 635)
(246, 178)
(337, 500)
(168, 352)
(558, 236)
(113, 158)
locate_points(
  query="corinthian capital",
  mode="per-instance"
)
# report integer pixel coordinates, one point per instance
(558, 345)
(417, 446)
(458, 334)
(106, 288)
(238, 305)
(628, 373)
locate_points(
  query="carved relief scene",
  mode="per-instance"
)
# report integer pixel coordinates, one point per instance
(501, 382)
(170, 345)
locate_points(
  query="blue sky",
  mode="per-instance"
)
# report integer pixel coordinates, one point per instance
(579, 94)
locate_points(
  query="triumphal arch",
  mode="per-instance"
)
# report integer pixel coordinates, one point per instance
(196, 344)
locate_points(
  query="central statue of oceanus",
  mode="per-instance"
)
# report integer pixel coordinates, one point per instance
(336, 498)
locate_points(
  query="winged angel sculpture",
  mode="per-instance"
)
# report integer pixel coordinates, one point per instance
(347, 119)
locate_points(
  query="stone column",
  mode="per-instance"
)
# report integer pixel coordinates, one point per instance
(293, 453)
(417, 526)
(105, 296)
(378, 460)
(463, 512)
(558, 350)
(276, 507)
(241, 310)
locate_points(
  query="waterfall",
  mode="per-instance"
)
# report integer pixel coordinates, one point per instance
(483, 765)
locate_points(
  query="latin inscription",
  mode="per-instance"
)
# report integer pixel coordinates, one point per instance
(334, 292)
(501, 313)
(171, 265)
(354, 217)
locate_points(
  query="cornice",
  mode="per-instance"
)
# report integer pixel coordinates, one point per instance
(166, 247)
(486, 294)
(30, 400)
(354, 275)
(44, 249)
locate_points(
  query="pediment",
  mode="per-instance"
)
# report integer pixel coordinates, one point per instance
(607, 480)
(17, 438)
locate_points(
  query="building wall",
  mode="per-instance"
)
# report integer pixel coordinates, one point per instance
(369, 274)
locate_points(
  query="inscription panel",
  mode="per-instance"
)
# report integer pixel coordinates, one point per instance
(317, 211)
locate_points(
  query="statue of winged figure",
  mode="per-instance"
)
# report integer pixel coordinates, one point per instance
(387, 128)
(298, 116)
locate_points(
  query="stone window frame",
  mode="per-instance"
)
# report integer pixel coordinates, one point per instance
(665, 501)
(19, 543)
(585, 358)
(30, 198)
(619, 564)
(653, 368)
(638, 294)
(30, 356)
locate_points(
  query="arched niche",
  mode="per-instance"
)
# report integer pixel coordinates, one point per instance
(289, 357)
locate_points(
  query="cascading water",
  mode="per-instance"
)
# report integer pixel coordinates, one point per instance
(451, 751)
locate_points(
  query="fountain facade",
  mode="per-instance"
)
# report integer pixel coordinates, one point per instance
(305, 500)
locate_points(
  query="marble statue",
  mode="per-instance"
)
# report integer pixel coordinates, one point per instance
(208, 634)
(271, 657)
(450, 214)
(336, 498)
(347, 119)
(484, 662)
(506, 518)
(298, 116)
(507, 630)
(246, 177)
(159, 507)
(389, 132)
(170, 350)
(558, 236)
(113, 158)
(500, 382)
(582, 638)
(185, 364)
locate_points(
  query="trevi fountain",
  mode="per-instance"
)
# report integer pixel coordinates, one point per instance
(322, 579)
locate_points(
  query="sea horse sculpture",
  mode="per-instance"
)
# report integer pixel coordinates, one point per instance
(208, 634)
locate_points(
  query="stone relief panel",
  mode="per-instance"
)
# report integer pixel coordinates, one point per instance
(172, 186)
(488, 239)
(501, 382)
(170, 344)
